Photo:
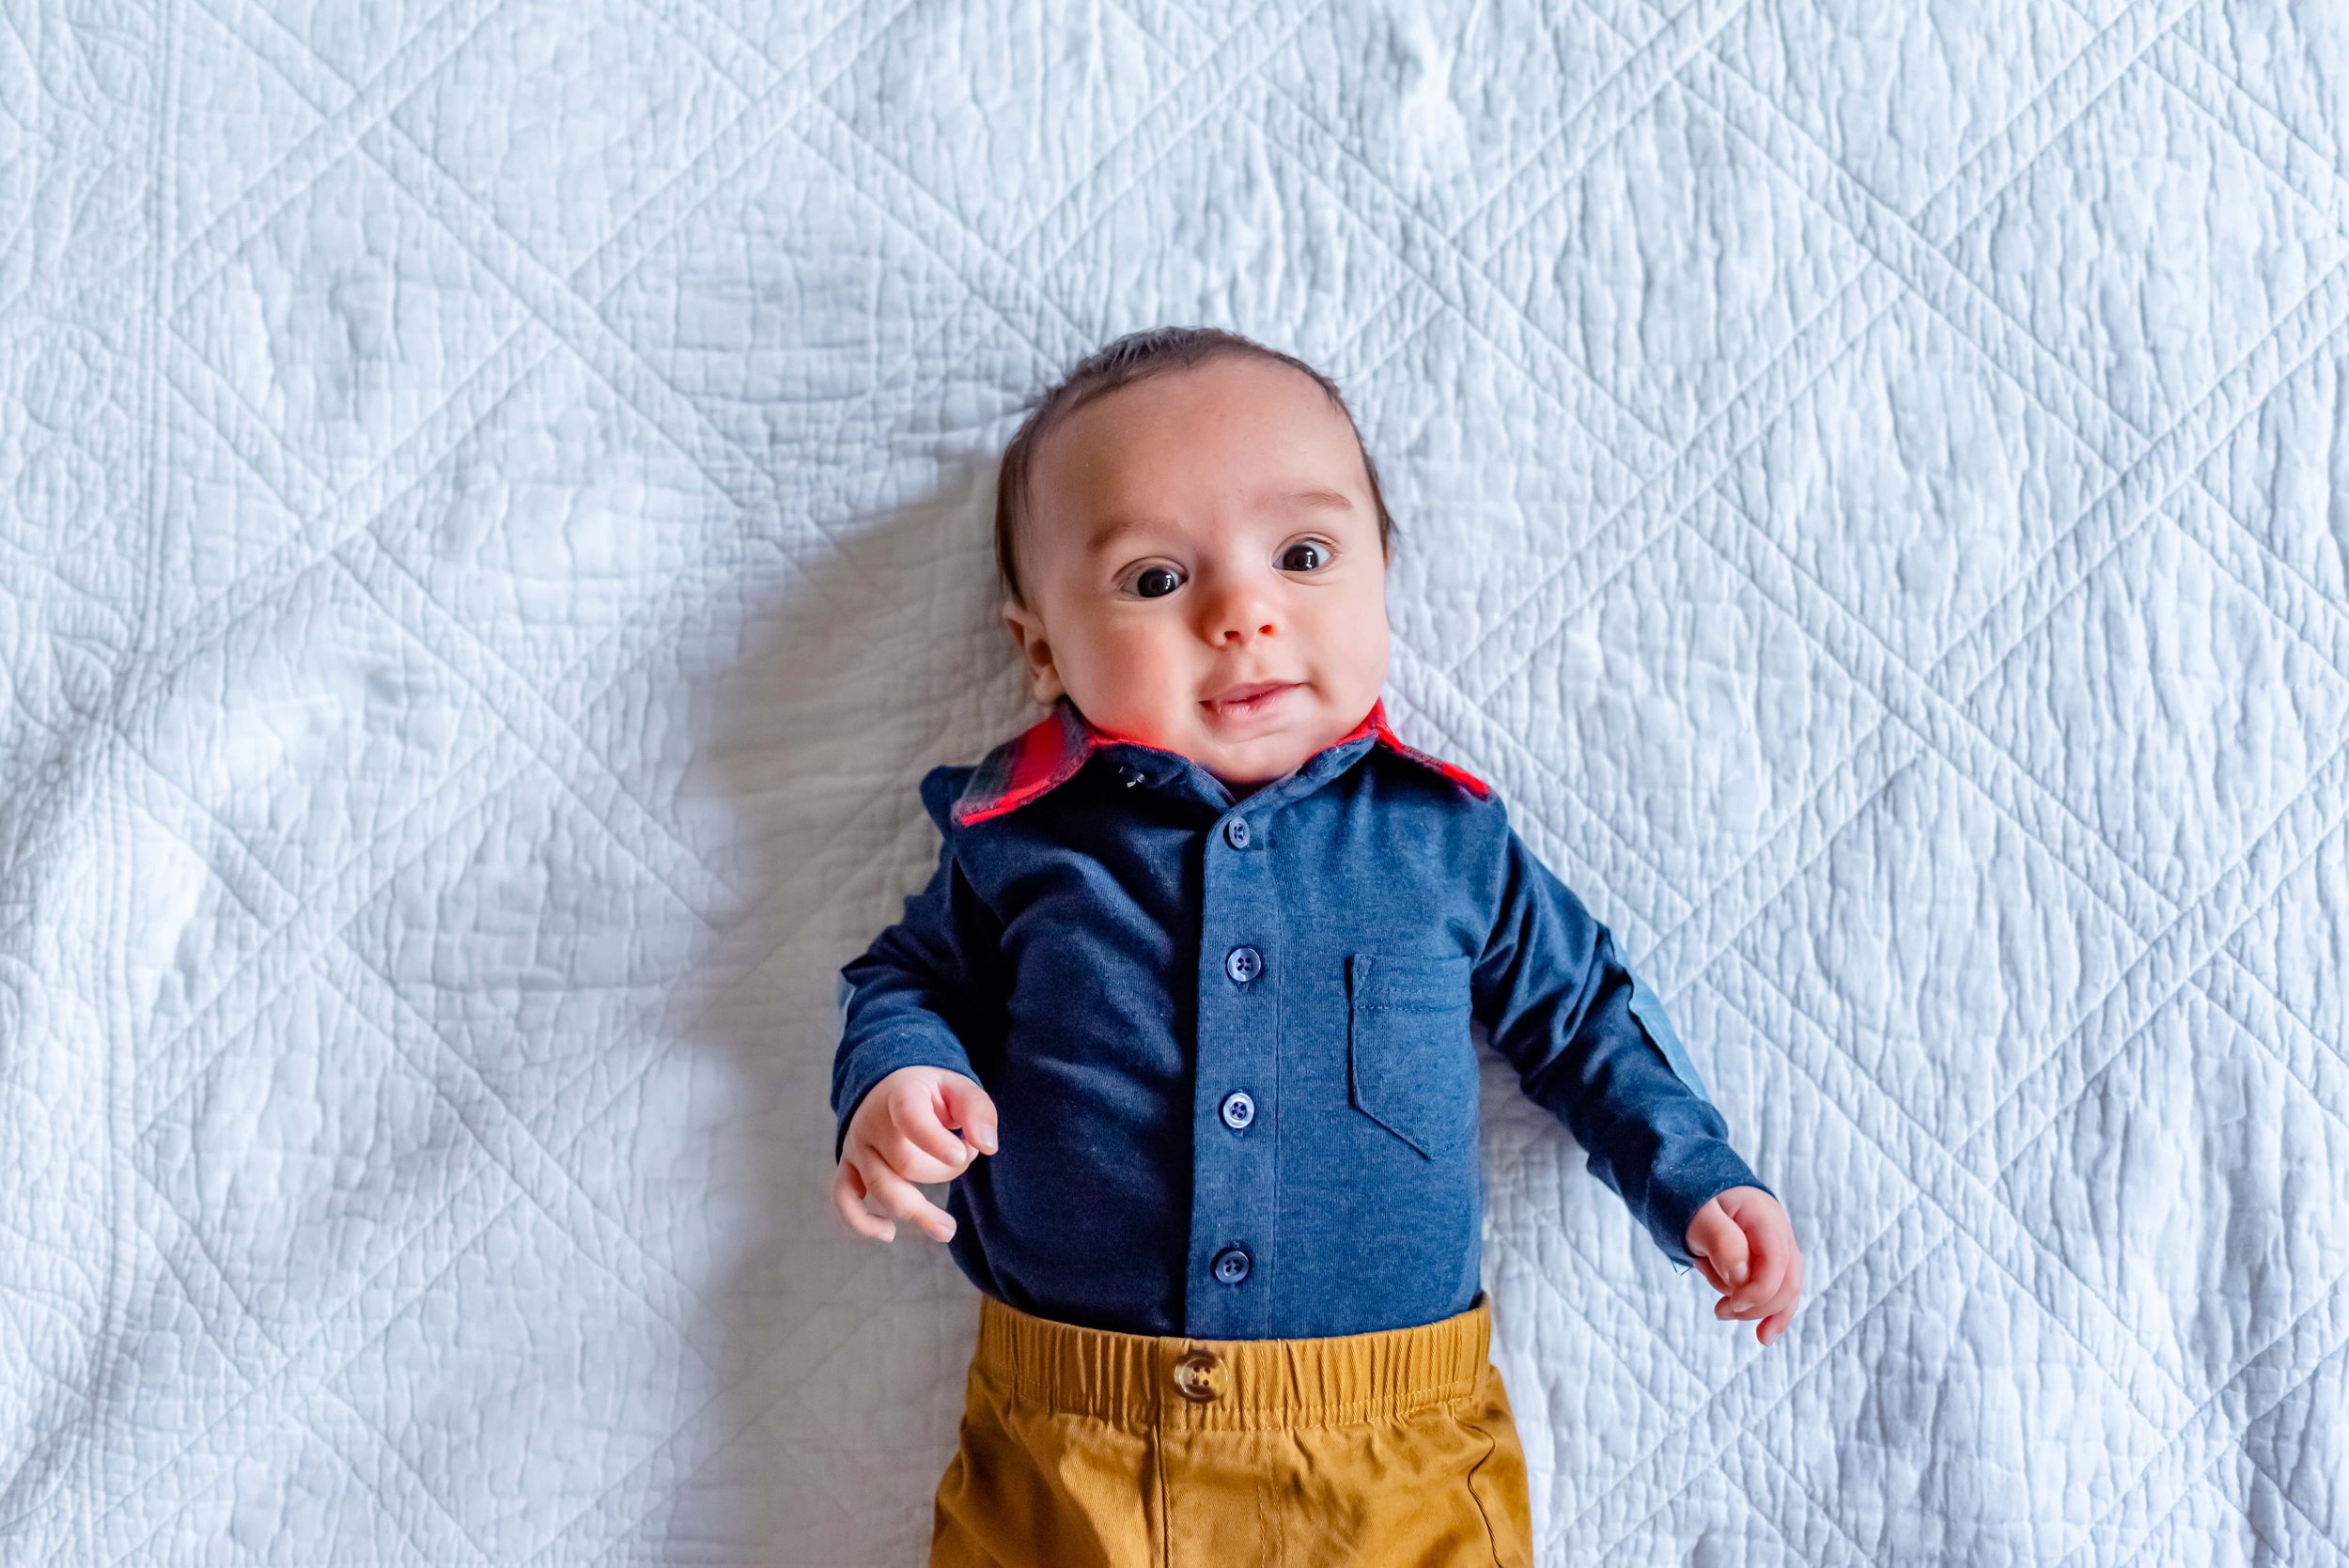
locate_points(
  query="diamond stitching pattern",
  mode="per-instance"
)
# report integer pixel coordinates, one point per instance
(745, 940)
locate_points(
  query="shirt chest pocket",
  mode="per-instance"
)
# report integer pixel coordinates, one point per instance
(1410, 1059)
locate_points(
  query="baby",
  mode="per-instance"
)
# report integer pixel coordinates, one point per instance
(1185, 1017)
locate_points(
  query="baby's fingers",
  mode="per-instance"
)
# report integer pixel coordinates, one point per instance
(969, 1108)
(1770, 1328)
(921, 1133)
(902, 1199)
(1771, 1314)
(914, 1161)
(1783, 1309)
(1719, 1246)
(1759, 1294)
(848, 1201)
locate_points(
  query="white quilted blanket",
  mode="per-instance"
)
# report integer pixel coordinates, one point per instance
(493, 520)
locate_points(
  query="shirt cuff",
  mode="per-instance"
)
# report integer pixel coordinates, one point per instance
(1677, 1189)
(875, 1060)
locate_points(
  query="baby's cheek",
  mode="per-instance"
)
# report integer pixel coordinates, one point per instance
(1355, 647)
(1138, 683)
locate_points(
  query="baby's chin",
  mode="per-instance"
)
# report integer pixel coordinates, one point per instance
(1244, 751)
(1254, 760)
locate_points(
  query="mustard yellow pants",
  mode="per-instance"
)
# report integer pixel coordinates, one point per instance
(1082, 1448)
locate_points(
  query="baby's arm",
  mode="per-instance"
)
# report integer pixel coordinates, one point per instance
(1592, 1046)
(902, 1081)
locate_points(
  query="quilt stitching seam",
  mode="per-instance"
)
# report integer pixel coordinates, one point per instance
(1655, 492)
(2007, 184)
(1704, 1413)
(1993, 1205)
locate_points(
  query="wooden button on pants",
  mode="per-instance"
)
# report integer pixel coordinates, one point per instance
(1085, 1449)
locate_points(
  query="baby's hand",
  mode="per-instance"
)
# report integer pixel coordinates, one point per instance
(903, 1133)
(1742, 1241)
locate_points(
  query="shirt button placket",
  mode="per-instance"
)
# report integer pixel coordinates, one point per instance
(1226, 1290)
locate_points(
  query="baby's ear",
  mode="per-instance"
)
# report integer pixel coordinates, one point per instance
(1035, 651)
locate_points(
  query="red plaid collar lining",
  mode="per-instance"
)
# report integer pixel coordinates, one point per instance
(1047, 753)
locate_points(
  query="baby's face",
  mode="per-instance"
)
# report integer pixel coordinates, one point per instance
(1202, 571)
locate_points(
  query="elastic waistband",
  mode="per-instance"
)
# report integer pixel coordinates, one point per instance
(1174, 1380)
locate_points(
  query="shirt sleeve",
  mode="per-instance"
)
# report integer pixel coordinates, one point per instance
(913, 997)
(1592, 1046)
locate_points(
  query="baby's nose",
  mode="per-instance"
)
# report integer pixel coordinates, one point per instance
(1237, 615)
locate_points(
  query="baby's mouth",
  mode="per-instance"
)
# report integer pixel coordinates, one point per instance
(1248, 700)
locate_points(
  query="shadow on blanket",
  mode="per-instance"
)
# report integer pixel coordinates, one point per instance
(839, 1363)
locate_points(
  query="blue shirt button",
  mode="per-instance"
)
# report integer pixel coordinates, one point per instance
(1243, 964)
(1239, 1109)
(1231, 1265)
(1128, 775)
(1235, 832)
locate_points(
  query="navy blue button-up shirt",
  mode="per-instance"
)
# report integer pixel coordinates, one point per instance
(1230, 1043)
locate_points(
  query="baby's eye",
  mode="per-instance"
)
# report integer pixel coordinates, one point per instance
(1304, 556)
(1156, 581)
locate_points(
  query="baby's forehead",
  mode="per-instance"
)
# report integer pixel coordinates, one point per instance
(1192, 428)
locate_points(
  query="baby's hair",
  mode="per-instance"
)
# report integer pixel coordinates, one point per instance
(1126, 360)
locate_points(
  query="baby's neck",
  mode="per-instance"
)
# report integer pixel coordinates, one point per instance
(1237, 790)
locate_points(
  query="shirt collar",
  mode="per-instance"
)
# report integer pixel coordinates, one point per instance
(1049, 752)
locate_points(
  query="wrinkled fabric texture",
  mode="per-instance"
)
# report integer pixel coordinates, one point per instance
(1079, 1449)
(494, 507)
(1127, 948)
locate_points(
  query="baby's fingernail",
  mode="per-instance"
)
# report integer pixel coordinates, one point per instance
(890, 1234)
(1737, 1272)
(946, 1231)
(986, 1141)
